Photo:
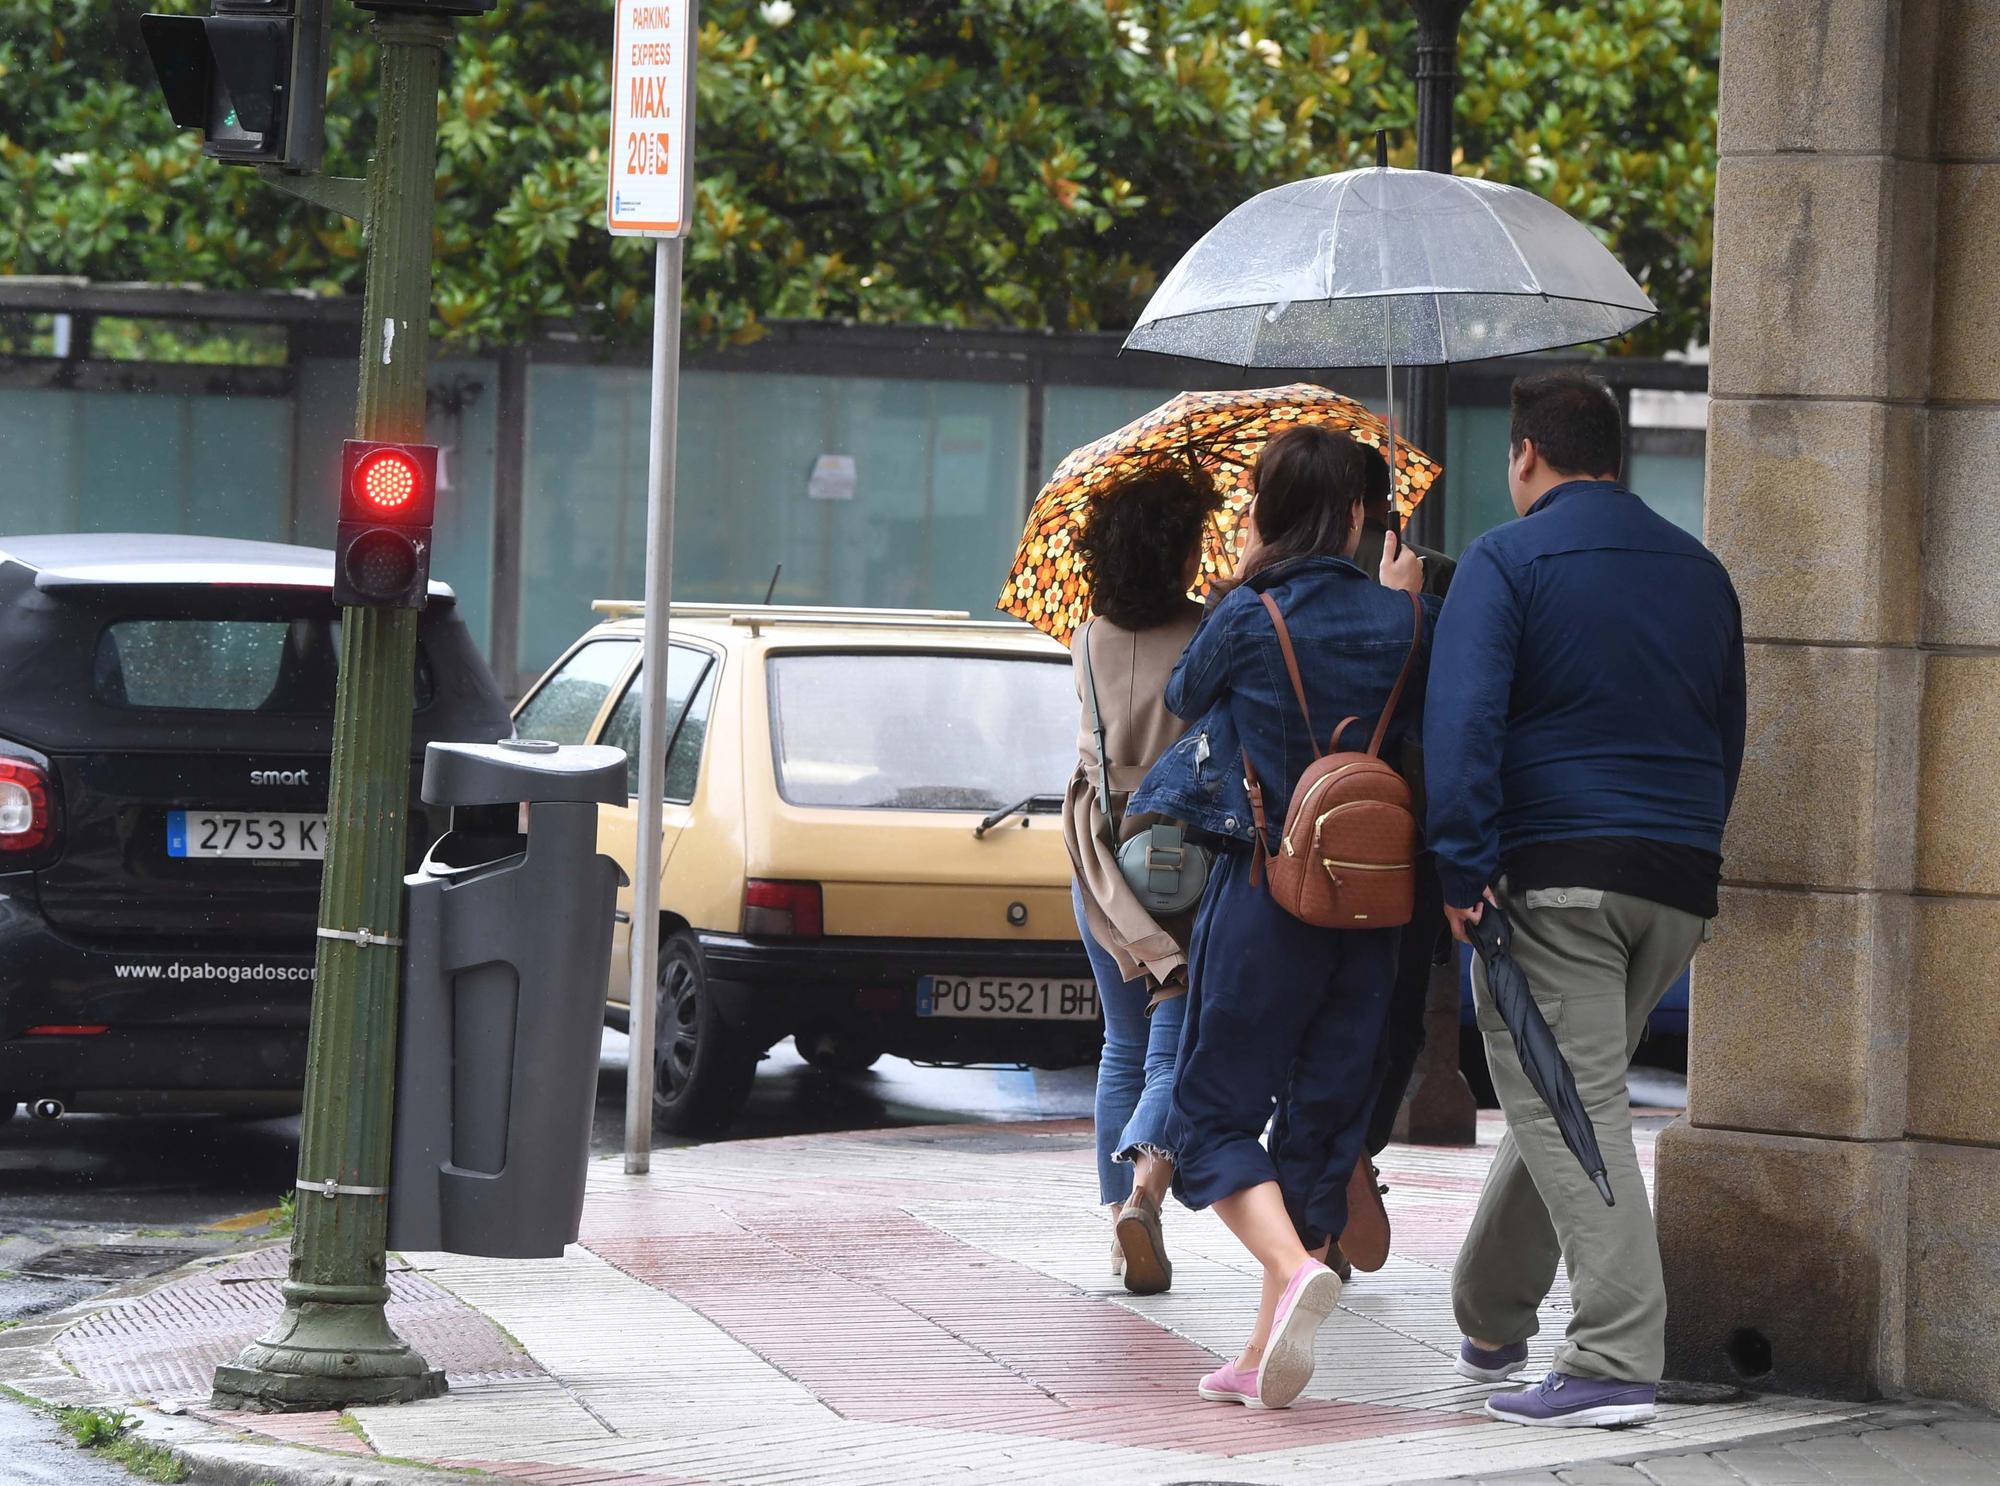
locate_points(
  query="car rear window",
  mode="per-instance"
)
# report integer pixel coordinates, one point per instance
(878, 730)
(225, 665)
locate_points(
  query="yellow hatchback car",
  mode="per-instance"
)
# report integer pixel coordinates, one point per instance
(864, 845)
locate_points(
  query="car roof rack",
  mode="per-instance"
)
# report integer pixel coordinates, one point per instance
(773, 613)
(828, 616)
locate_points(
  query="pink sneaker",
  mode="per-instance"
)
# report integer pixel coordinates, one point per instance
(1288, 1359)
(1231, 1384)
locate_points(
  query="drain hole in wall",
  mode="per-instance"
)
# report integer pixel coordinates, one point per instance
(1749, 1354)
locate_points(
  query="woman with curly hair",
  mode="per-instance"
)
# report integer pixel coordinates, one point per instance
(1141, 554)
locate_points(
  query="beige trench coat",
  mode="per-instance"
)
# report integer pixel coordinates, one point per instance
(1132, 668)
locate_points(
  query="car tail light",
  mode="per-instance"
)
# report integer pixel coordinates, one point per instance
(69, 1029)
(783, 910)
(25, 817)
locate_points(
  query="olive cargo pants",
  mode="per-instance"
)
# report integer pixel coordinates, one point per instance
(1597, 964)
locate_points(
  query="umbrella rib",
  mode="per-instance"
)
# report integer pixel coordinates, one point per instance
(1333, 236)
(1506, 232)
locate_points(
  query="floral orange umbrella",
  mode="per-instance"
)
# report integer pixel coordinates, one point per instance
(1221, 431)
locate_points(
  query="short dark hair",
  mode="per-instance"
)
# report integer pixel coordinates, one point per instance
(1574, 421)
(1136, 545)
(1311, 481)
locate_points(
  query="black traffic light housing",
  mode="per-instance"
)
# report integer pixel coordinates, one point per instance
(382, 551)
(251, 76)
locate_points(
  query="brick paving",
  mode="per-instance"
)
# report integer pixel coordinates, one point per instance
(937, 1305)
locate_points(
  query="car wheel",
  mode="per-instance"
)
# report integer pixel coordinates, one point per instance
(701, 1068)
(838, 1052)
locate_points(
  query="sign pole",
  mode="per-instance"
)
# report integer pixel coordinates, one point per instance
(652, 195)
(645, 937)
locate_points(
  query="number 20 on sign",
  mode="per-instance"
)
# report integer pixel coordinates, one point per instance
(652, 121)
(647, 154)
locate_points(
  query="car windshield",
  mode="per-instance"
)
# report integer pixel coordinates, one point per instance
(921, 731)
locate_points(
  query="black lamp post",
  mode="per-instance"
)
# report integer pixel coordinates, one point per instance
(1437, 91)
(1441, 1110)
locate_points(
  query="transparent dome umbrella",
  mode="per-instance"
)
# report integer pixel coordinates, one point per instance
(1392, 268)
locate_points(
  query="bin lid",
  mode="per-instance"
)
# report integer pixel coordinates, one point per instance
(522, 769)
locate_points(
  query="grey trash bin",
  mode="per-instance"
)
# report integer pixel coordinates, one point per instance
(506, 955)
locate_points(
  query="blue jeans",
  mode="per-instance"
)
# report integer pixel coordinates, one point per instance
(1135, 1075)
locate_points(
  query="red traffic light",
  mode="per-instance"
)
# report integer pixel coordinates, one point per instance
(388, 494)
(393, 484)
(386, 480)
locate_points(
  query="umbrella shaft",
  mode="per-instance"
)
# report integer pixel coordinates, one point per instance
(1389, 371)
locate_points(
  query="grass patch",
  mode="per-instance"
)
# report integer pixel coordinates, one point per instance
(287, 1218)
(353, 1426)
(106, 1434)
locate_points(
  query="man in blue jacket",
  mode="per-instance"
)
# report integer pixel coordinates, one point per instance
(1583, 734)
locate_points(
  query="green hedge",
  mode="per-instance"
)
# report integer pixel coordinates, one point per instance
(965, 162)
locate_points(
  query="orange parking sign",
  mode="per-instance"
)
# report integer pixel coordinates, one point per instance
(652, 118)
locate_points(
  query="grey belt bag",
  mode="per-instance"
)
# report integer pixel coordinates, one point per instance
(1164, 869)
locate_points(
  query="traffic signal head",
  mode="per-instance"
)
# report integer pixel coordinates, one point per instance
(251, 76)
(382, 553)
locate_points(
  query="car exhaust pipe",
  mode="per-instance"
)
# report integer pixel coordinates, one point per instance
(46, 1109)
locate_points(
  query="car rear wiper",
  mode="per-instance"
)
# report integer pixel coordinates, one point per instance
(1033, 805)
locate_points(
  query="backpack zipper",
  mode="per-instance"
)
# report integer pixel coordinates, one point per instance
(1306, 804)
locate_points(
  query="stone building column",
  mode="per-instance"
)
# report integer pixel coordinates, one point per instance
(1830, 1207)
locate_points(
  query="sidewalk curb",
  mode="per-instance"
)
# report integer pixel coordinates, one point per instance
(219, 1456)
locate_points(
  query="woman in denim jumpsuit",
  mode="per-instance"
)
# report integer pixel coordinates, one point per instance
(1278, 1007)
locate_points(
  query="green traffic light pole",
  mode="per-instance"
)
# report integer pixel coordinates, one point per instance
(333, 1345)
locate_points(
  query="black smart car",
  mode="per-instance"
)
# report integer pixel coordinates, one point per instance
(166, 721)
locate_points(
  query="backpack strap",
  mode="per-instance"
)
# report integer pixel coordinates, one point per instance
(1255, 789)
(1097, 732)
(1292, 668)
(1402, 677)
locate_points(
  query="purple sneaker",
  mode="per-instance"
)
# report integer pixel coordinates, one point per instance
(1482, 1366)
(1564, 1402)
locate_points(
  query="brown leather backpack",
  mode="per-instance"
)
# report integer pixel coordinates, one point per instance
(1347, 859)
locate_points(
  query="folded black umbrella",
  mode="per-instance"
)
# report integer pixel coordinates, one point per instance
(1493, 937)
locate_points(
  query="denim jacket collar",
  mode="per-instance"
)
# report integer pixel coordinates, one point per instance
(1292, 567)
